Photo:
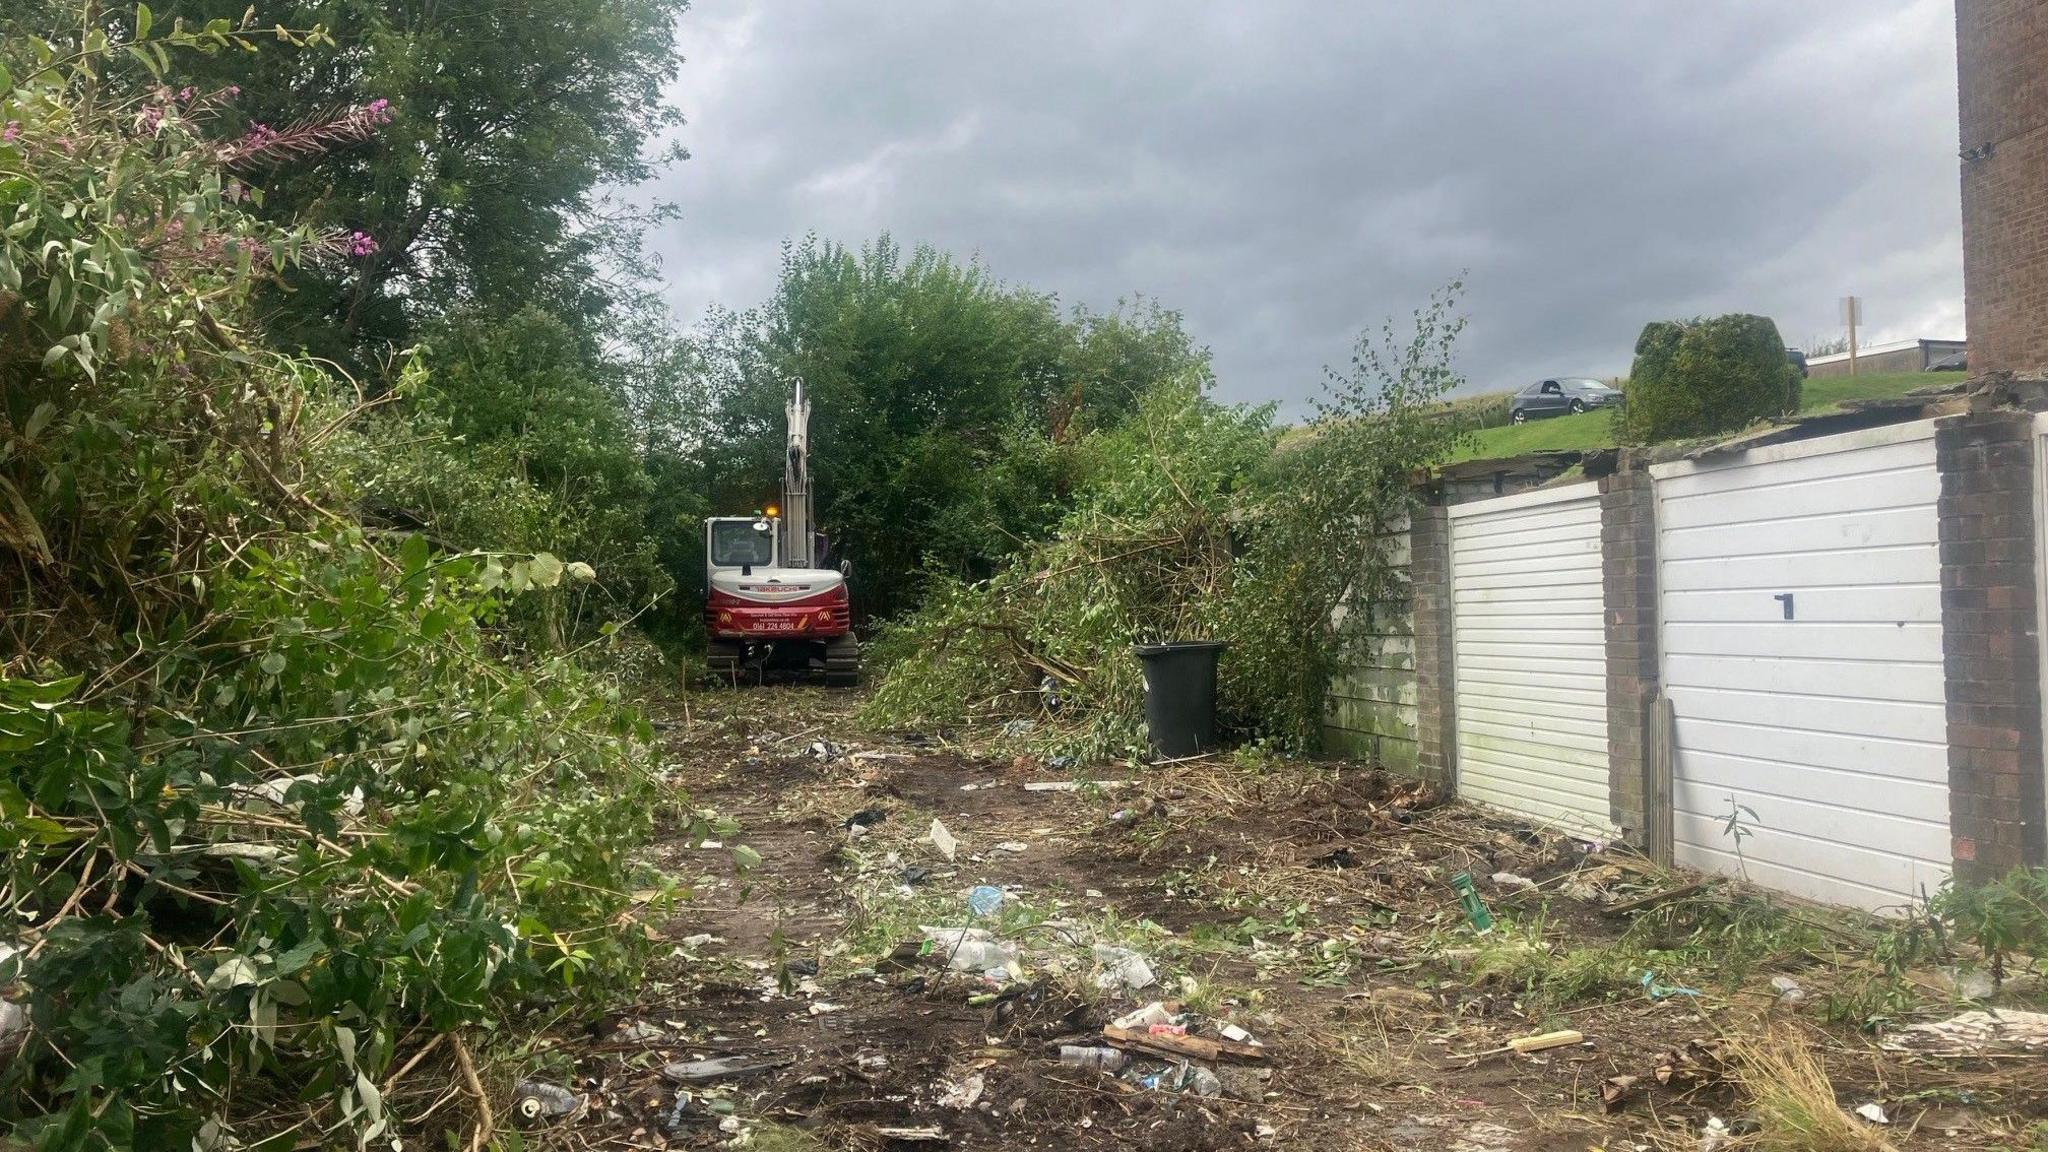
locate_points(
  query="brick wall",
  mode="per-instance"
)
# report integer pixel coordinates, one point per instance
(2003, 107)
(1429, 576)
(1990, 641)
(1628, 555)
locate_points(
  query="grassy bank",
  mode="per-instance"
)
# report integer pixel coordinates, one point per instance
(1591, 430)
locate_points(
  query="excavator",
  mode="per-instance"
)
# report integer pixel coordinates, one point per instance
(768, 601)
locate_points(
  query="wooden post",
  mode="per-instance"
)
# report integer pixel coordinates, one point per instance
(1852, 315)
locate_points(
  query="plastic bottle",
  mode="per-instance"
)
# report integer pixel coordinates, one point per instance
(1102, 1059)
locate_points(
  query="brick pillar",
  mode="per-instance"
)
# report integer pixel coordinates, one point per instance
(1628, 559)
(1990, 641)
(2002, 92)
(1429, 584)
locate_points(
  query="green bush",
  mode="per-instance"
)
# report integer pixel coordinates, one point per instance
(1701, 377)
(275, 809)
(1189, 521)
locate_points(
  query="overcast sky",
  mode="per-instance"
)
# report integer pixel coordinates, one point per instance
(1285, 173)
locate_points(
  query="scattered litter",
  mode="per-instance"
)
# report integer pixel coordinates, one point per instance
(537, 1101)
(970, 949)
(1970, 983)
(1789, 991)
(1658, 991)
(943, 840)
(1873, 1112)
(972, 787)
(1475, 908)
(1018, 727)
(985, 900)
(1093, 893)
(1204, 1082)
(931, 1135)
(916, 874)
(1716, 1135)
(692, 943)
(820, 1007)
(861, 757)
(1339, 858)
(1976, 1031)
(872, 1061)
(864, 819)
(1090, 1056)
(1510, 880)
(965, 1094)
(1013, 846)
(1150, 1014)
(1122, 969)
(1614, 1092)
(639, 1032)
(1063, 763)
(1524, 1045)
(1074, 785)
(1233, 1032)
(719, 1068)
(826, 751)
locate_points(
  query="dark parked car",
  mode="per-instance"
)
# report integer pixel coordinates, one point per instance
(1797, 359)
(1953, 362)
(1563, 396)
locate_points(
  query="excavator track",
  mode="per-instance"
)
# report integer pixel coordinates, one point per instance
(842, 662)
(722, 661)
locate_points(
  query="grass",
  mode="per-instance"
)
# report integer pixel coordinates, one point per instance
(1795, 1101)
(1591, 430)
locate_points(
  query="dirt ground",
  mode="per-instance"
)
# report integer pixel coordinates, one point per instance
(1308, 904)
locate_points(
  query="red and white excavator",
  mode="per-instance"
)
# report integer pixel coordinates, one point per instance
(767, 600)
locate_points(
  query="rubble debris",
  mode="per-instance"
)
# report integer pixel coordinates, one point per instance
(943, 840)
(1182, 1047)
(1974, 1033)
(538, 1102)
(720, 1068)
(965, 1094)
(1589, 895)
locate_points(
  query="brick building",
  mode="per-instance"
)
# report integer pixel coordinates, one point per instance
(2002, 74)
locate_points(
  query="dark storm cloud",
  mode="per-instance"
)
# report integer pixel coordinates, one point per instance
(1286, 173)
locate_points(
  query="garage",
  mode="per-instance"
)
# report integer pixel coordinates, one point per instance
(1800, 612)
(1529, 656)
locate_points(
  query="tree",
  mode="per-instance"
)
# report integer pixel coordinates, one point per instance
(1701, 377)
(942, 399)
(507, 116)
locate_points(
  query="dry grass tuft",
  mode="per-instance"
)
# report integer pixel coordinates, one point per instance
(1794, 1099)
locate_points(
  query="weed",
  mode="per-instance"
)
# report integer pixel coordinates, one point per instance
(2005, 917)
(781, 1138)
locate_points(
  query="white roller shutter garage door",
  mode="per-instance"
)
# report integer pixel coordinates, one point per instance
(1800, 601)
(1530, 656)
